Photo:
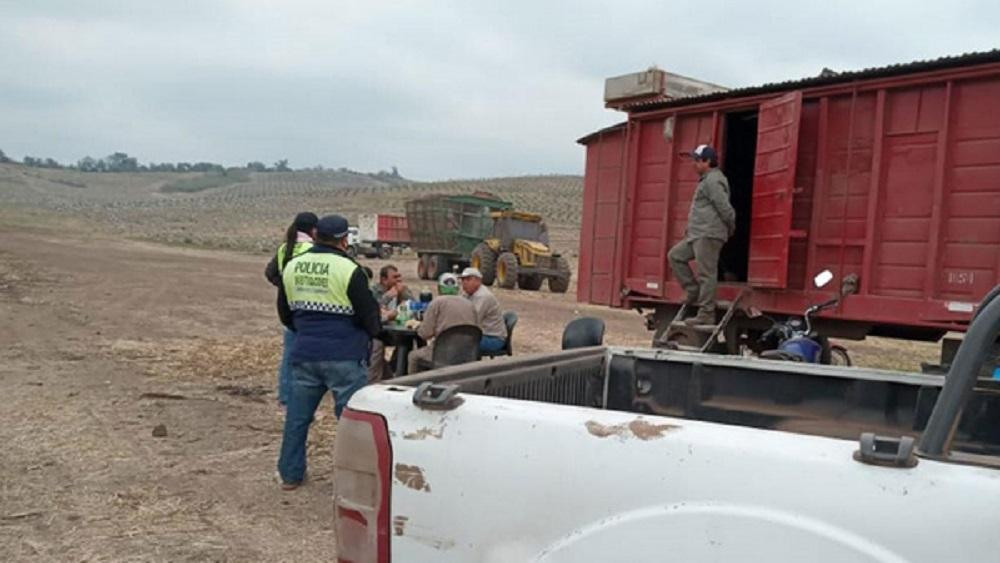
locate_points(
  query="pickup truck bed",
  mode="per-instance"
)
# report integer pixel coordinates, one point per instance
(809, 399)
(640, 455)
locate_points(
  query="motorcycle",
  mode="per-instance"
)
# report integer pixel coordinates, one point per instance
(795, 340)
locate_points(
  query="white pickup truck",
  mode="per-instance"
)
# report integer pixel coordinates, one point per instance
(606, 454)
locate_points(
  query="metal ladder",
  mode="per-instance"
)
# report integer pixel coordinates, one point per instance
(677, 324)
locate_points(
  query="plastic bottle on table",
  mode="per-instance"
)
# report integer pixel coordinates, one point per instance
(403, 313)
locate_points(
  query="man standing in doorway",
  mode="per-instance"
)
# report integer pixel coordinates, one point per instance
(325, 299)
(711, 221)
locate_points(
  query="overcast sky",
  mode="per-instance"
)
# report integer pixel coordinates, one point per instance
(439, 89)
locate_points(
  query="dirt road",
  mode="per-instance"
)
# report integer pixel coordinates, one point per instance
(102, 341)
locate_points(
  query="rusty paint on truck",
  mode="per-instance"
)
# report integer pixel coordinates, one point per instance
(412, 476)
(424, 433)
(399, 524)
(639, 428)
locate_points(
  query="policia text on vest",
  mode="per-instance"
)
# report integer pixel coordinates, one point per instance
(319, 282)
(325, 299)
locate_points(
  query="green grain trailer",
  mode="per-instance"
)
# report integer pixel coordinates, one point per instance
(444, 229)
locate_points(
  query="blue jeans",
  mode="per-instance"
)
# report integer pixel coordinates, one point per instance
(285, 368)
(491, 344)
(310, 381)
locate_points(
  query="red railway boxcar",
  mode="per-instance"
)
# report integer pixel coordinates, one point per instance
(891, 174)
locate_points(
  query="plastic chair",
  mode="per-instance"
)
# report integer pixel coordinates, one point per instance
(509, 321)
(456, 345)
(583, 332)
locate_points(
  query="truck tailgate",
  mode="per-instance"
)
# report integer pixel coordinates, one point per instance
(507, 480)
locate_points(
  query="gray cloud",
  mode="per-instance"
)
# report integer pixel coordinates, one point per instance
(443, 89)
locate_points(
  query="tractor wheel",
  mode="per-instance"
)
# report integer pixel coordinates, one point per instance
(530, 282)
(422, 267)
(484, 259)
(507, 270)
(560, 284)
(384, 252)
(436, 265)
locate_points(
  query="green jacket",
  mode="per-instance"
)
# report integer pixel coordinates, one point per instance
(711, 215)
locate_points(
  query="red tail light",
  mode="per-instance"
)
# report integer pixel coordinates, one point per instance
(361, 461)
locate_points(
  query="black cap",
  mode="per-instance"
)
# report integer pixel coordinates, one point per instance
(331, 227)
(704, 152)
(305, 221)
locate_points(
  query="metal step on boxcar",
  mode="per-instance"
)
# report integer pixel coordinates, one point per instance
(701, 336)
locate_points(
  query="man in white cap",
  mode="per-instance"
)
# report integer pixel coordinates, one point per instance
(448, 309)
(487, 311)
(711, 221)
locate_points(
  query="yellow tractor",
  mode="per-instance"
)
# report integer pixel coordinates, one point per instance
(518, 254)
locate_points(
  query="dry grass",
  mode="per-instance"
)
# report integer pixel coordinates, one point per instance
(890, 354)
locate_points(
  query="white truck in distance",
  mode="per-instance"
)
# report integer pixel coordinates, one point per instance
(608, 454)
(380, 235)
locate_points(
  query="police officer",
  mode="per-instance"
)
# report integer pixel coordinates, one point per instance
(711, 221)
(298, 238)
(325, 299)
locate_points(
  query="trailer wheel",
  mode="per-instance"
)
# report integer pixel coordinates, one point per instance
(436, 265)
(384, 252)
(530, 282)
(507, 270)
(485, 260)
(422, 267)
(560, 283)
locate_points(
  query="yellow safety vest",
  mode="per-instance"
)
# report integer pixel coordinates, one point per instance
(299, 249)
(318, 281)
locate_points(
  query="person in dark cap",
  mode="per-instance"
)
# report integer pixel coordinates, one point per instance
(711, 221)
(298, 238)
(325, 299)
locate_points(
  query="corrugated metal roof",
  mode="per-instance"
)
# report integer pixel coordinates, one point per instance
(591, 136)
(824, 79)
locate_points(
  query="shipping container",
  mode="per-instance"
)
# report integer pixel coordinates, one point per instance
(890, 174)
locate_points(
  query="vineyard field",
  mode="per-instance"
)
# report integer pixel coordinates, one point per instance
(252, 213)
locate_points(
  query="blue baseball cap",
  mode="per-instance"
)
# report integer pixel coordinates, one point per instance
(704, 152)
(332, 226)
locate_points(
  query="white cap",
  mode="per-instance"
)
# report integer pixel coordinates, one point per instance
(471, 273)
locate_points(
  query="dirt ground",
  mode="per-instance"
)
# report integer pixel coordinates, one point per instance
(104, 340)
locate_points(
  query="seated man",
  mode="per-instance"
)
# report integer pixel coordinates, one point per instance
(447, 310)
(488, 313)
(389, 291)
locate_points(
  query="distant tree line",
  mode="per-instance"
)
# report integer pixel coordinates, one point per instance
(122, 162)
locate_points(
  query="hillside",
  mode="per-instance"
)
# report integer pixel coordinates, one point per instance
(250, 212)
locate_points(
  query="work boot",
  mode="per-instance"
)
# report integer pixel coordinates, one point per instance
(705, 316)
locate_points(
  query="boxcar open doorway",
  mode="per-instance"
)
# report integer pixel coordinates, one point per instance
(738, 156)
